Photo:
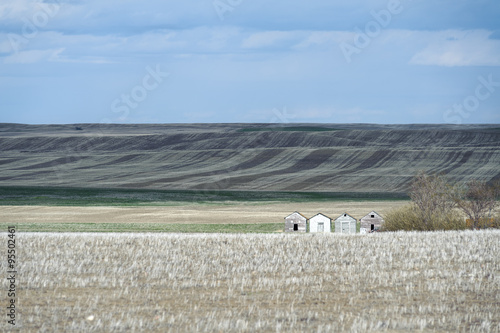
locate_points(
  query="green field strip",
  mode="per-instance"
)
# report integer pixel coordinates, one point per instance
(55, 196)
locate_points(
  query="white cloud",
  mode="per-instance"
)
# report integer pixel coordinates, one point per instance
(34, 56)
(5, 45)
(442, 48)
(28, 14)
(15, 9)
(459, 48)
(324, 38)
(212, 39)
(202, 40)
(269, 38)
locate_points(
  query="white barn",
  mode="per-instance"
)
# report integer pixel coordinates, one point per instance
(345, 224)
(320, 223)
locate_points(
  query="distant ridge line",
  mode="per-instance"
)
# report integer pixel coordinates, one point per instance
(245, 157)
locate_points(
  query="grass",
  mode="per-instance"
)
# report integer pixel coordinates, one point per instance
(392, 282)
(153, 227)
(56, 196)
(146, 227)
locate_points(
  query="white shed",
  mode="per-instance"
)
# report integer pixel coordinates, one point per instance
(345, 224)
(320, 223)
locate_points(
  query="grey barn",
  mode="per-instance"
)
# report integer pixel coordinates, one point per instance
(295, 222)
(345, 224)
(371, 222)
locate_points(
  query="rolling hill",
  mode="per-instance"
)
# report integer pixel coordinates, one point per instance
(251, 157)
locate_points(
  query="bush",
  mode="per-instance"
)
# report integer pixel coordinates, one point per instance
(484, 223)
(431, 196)
(477, 199)
(409, 218)
(496, 221)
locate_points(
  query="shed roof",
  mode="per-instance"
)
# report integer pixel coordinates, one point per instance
(372, 213)
(345, 214)
(321, 215)
(296, 213)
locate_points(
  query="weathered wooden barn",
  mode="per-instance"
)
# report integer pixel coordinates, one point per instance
(295, 222)
(320, 223)
(345, 224)
(371, 222)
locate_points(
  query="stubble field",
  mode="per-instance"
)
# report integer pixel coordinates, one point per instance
(441, 281)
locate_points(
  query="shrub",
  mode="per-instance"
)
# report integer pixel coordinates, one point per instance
(409, 218)
(496, 221)
(477, 199)
(484, 223)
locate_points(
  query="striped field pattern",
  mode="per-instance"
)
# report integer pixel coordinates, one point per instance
(261, 157)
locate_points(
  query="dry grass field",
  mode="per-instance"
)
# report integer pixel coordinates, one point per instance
(234, 213)
(251, 157)
(389, 282)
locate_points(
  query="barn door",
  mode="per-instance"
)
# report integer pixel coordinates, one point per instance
(295, 227)
(321, 227)
(345, 227)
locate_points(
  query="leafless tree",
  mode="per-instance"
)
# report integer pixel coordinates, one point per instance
(432, 195)
(478, 200)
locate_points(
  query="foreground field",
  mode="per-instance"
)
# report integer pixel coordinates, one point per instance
(442, 281)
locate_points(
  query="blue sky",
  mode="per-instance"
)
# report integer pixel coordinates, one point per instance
(315, 61)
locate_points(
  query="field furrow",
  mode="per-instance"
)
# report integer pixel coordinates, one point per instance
(259, 157)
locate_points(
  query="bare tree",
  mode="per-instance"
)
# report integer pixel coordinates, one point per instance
(478, 200)
(432, 195)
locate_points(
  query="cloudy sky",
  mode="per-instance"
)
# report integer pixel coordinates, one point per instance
(182, 61)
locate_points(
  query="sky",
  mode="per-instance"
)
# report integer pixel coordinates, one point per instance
(250, 61)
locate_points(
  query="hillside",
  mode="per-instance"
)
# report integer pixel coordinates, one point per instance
(264, 157)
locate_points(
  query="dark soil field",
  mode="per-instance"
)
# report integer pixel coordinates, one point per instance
(245, 157)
